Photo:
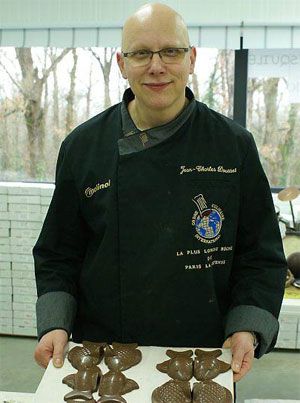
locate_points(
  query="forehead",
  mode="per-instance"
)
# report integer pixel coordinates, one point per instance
(155, 43)
(154, 33)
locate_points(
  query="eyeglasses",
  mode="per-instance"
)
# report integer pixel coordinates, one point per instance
(142, 57)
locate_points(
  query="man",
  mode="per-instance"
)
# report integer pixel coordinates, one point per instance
(162, 229)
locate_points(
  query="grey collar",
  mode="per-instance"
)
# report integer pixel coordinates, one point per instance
(135, 140)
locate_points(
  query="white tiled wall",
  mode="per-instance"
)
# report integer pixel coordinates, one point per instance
(22, 210)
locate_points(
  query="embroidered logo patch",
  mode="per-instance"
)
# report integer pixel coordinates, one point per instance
(89, 192)
(207, 221)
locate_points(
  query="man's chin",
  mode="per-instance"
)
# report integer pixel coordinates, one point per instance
(159, 104)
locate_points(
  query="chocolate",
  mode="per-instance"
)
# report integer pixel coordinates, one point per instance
(96, 350)
(86, 380)
(172, 392)
(180, 365)
(210, 392)
(111, 399)
(122, 356)
(115, 383)
(79, 398)
(207, 366)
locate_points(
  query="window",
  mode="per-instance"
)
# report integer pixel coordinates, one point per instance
(213, 81)
(46, 92)
(273, 114)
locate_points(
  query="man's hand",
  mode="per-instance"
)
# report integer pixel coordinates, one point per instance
(51, 345)
(241, 345)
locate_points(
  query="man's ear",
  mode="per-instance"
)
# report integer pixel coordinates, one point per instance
(120, 61)
(193, 55)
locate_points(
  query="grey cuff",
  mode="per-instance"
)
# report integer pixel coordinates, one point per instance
(250, 318)
(55, 310)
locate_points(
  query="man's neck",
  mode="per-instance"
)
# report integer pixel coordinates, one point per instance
(146, 119)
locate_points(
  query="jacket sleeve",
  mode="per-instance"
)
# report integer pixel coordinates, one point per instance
(259, 266)
(59, 253)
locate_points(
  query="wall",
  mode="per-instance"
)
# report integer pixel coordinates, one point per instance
(64, 23)
(66, 13)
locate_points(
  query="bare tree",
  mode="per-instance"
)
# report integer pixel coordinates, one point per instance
(11, 108)
(254, 85)
(287, 146)
(71, 94)
(31, 88)
(55, 103)
(270, 91)
(105, 64)
(89, 94)
(4, 141)
(229, 80)
(195, 85)
(210, 96)
(269, 148)
(41, 138)
(122, 85)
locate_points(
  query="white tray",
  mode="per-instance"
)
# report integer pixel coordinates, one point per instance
(51, 389)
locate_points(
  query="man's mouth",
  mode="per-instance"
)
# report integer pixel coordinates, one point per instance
(157, 86)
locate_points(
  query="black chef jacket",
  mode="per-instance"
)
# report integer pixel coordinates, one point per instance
(162, 237)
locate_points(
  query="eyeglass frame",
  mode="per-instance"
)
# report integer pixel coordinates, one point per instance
(151, 52)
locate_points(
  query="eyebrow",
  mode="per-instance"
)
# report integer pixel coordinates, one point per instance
(135, 48)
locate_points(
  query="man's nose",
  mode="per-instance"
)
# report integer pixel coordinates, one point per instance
(156, 64)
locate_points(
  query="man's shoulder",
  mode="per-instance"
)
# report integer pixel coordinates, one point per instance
(92, 128)
(222, 124)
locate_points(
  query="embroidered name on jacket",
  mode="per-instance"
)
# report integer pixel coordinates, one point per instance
(207, 221)
(89, 192)
(201, 168)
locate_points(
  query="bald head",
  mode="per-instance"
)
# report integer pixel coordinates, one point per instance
(154, 18)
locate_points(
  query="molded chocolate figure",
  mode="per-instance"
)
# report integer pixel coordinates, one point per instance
(111, 399)
(179, 367)
(127, 353)
(172, 392)
(114, 383)
(86, 380)
(95, 349)
(79, 399)
(207, 366)
(210, 392)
